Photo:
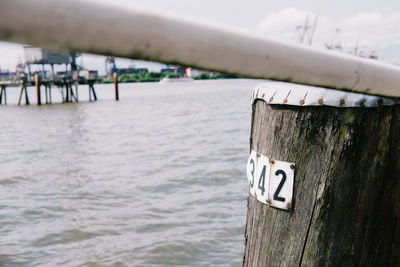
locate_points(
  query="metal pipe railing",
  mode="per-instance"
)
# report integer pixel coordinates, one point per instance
(80, 26)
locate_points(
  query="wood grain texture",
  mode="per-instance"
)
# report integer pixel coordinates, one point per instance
(346, 190)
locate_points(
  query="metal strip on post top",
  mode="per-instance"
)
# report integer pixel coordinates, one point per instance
(303, 95)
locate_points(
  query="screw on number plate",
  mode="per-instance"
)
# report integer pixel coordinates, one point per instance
(292, 166)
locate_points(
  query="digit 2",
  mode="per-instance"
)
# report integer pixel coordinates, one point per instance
(278, 190)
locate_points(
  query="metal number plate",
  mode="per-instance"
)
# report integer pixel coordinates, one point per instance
(271, 181)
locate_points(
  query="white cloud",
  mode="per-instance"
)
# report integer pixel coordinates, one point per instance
(373, 30)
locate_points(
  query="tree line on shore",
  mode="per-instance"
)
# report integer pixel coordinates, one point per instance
(157, 76)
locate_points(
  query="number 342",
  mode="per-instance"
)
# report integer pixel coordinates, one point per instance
(271, 181)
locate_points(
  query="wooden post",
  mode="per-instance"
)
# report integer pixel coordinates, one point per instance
(20, 95)
(72, 93)
(3, 93)
(68, 93)
(115, 76)
(346, 189)
(23, 90)
(29, 73)
(37, 84)
(52, 72)
(47, 96)
(92, 91)
(76, 92)
(50, 92)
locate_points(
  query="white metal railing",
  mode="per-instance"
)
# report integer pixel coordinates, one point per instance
(85, 27)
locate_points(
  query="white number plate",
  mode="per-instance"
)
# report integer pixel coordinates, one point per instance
(271, 181)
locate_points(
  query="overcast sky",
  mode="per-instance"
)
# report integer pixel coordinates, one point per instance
(374, 25)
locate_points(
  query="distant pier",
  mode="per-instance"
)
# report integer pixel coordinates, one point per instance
(65, 82)
(68, 89)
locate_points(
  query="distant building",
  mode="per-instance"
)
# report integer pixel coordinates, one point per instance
(36, 55)
(176, 69)
(110, 65)
(125, 71)
(131, 70)
(61, 74)
(196, 72)
(43, 73)
(88, 74)
(142, 70)
(4, 74)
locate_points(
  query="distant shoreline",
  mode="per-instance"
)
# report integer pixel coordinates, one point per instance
(156, 77)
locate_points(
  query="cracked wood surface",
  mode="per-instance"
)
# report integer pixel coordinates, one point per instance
(346, 190)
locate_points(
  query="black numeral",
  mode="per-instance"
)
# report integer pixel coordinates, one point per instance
(278, 190)
(261, 182)
(252, 173)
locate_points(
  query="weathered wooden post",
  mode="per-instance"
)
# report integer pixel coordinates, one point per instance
(345, 207)
(37, 84)
(115, 76)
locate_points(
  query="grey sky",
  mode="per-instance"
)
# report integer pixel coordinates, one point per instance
(374, 24)
(248, 13)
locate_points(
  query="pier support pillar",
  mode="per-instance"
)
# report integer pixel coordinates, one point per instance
(76, 92)
(115, 76)
(46, 93)
(37, 84)
(346, 191)
(23, 90)
(73, 96)
(49, 88)
(92, 92)
(3, 95)
(67, 93)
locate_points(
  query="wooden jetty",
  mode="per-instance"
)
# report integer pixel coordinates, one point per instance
(66, 82)
(68, 89)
